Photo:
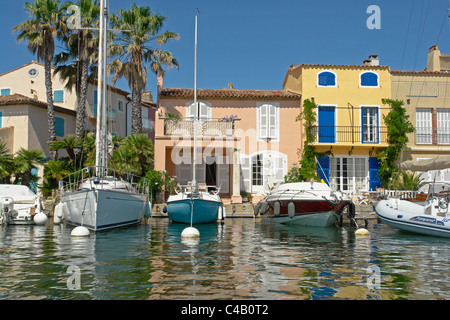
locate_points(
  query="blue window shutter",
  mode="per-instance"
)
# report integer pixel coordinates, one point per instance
(59, 126)
(369, 79)
(374, 178)
(327, 79)
(58, 95)
(1, 120)
(5, 92)
(323, 168)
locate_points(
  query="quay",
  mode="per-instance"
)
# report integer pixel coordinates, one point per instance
(364, 214)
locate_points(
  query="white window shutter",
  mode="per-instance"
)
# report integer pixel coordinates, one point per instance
(263, 134)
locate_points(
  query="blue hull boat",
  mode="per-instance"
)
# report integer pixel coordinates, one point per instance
(205, 208)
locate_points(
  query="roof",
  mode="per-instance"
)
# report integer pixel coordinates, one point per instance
(231, 94)
(423, 72)
(339, 66)
(18, 99)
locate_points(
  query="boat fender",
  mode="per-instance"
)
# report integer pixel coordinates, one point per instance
(221, 215)
(40, 218)
(291, 209)
(165, 209)
(264, 207)
(58, 214)
(276, 208)
(362, 232)
(256, 209)
(351, 210)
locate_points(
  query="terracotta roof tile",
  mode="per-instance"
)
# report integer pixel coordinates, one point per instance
(228, 94)
(18, 99)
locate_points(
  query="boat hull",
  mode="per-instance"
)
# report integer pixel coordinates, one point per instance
(204, 211)
(103, 209)
(411, 217)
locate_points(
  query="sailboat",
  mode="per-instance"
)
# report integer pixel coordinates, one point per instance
(191, 205)
(97, 197)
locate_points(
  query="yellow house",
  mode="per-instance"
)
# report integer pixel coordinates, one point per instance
(349, 118)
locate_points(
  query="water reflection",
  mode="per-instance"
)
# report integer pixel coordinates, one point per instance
(240, 259)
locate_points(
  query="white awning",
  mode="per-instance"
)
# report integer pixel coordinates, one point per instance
(439, 163)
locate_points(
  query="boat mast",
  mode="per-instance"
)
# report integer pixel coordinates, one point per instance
(194, 181)
(100, 143)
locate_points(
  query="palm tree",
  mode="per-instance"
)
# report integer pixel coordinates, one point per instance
(82, 45)
(6, 163)
(135, 47)
(40, 33)
(26, 161)
(137, 151)
(69, 143)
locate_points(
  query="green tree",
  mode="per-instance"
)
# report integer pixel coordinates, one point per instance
(68, 143)
(307, 166)
(76, 64)
(137, 152)
(135, 47)
(398, 128)
(6, 163)
(26, 161)
(40, 32)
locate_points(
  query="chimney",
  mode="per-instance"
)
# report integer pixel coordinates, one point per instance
(230, 86)
(433, 59)
(372, 61)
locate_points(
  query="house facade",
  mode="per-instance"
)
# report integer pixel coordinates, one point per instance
(349, 119)
(23, 108)
(247, 139)
(426, 95)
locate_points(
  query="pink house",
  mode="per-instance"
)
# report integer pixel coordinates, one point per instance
(246, 139)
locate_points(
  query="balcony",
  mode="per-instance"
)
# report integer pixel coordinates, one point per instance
(204, 128)
(349, 134)
(433, 135)
(110, 113)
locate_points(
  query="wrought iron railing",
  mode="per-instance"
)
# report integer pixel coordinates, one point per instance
(353, 134)
(204, 128)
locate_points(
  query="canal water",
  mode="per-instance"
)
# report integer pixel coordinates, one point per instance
(241, 259)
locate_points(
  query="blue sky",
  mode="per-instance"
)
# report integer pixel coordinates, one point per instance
(252, 43)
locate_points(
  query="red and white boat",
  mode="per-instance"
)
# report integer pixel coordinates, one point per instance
(305, 203)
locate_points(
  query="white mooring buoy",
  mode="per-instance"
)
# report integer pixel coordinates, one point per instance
(80, 232)
(190, 232)
(40, 219)
(362, 232)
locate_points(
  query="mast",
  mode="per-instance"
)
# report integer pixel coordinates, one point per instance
(194, 181)
(101, 93)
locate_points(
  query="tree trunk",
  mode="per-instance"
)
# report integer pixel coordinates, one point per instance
(82, 99)
(136, 113)
(50, 108)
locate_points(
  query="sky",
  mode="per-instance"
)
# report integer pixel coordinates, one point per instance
(251, 44)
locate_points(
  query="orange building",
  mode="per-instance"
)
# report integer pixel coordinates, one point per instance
(246, 139)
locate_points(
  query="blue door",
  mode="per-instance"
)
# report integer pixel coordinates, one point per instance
(326, 124)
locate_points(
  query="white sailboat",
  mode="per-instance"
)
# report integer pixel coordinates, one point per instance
(191, 205)
(97, 197)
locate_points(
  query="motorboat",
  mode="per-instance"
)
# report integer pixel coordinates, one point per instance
(20, 205)
(305, 203)
(99, 198)
(431, 218)
(191, 205)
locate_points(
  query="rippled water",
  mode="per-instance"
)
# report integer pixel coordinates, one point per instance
(241, 259)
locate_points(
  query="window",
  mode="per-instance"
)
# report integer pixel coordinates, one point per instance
(120, 105)
(59, 126)
(443, 126)
(5, 92)
(33, 72)
(58, 95)
(423, 126)
(348, 173)
(267, 115)
(326, 79)
(204, 111)
(369, 79)
(257, 172)
(369, 124)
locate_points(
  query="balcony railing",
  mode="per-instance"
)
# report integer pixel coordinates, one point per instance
(353, 134)
(432, 136)
(204, 128)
